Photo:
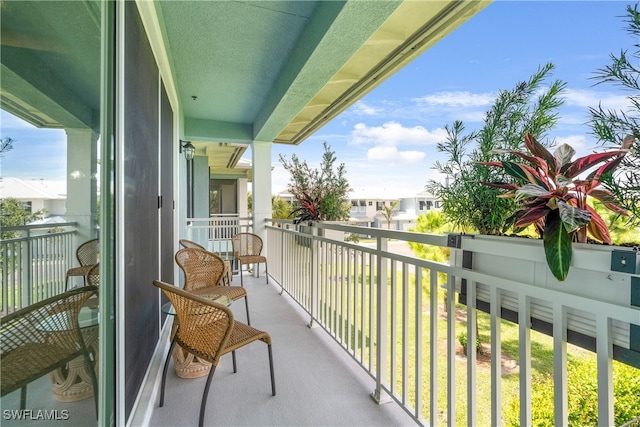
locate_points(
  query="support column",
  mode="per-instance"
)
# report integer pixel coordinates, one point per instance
(82, 188)
(261, 189)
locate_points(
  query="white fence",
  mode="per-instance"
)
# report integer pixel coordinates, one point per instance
(377, 305)
(34, 262)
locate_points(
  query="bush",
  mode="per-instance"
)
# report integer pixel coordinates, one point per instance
(462, 338)
(582, 396)
(528, 107)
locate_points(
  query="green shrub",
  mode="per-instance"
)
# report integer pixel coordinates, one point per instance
(582, 396)
(462, 338)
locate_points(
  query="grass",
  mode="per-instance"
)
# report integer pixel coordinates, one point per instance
(402, 358)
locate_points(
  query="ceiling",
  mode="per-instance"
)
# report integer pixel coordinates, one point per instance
(279, 70)
(243, 71)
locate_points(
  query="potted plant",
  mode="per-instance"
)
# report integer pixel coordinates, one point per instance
(554, 197)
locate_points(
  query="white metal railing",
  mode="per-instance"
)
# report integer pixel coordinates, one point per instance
(34, 260)
(376, 304)
(215, 232)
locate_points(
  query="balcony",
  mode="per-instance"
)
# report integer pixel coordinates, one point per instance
(355, 342)
(316, 382)
(352, 329)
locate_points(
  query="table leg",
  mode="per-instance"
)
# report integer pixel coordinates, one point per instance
(186, 364)
(74, 383)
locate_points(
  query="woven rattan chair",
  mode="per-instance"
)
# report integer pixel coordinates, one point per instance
(202, 272)
(227, 276)
(207, 330)
(247, 248)
(41, 338)
(87, 255)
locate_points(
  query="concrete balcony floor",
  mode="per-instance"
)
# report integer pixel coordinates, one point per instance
(317, 383)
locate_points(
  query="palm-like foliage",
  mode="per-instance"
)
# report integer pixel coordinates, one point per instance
(309, 209)
(554, 197)
(390, 211)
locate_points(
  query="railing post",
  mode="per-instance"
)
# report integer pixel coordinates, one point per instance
(26, 276)
(379, 395)
(314, 255)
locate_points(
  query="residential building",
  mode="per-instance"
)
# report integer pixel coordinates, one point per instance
(36, 194)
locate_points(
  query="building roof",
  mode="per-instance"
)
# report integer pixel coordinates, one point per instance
(29, 189)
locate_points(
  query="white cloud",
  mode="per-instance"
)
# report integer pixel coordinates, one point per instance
(392, 155)
(591, 98)
(394, 134)
(577, 142)
(456, 99)
(362, 109)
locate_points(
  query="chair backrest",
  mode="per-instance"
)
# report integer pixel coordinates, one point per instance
(204, 326)
(93, 276)
(88, 252)
(28, 333)
(246, 244)
(201, 268)
(191, 244)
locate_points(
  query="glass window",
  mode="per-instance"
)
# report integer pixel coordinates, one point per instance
(51, 124)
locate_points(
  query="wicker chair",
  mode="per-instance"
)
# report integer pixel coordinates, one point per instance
(42, 337)
(207, 330)
(247, 248)
(227, 277)
(202, 272)
(87, 255)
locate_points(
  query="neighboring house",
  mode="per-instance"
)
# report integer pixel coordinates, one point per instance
(36, 194)
(420, 203)
(366, 210)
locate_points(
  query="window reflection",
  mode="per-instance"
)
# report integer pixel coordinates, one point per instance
(50, 100)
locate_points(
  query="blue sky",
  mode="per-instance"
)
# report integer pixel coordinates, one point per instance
(387, 139)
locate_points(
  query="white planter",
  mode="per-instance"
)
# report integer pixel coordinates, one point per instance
(590, 276)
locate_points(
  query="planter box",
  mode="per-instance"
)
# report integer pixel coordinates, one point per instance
(590, 276)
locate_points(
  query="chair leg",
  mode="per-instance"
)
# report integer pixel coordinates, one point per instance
(241, 282)
(233, 356)
(164, 371)
(203, 405)
(23, 397)
(273, 378)
(266, 272)
(94, 380)
(246, 303)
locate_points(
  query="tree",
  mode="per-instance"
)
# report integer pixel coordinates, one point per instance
(389, 212)
(6, 144)
(327, 186)
(280, 209)
(14, 214)
(611, 127)
(469, 205)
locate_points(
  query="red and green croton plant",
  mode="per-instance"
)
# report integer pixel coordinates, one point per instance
(553, 196)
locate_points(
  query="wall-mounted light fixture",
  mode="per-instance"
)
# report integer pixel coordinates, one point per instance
(188, 148)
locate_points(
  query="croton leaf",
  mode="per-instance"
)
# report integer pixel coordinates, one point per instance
(501, 185)
(606, 168)
(597, 227)
(609, 200)
(563, 154)
(539, 150)
(523, 172)
(531, 190)
(531, 216)
(557, 246)
(582, 164)
(572, 217)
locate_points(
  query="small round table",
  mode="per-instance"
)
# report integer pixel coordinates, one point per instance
(186, 364)
(74, 383)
